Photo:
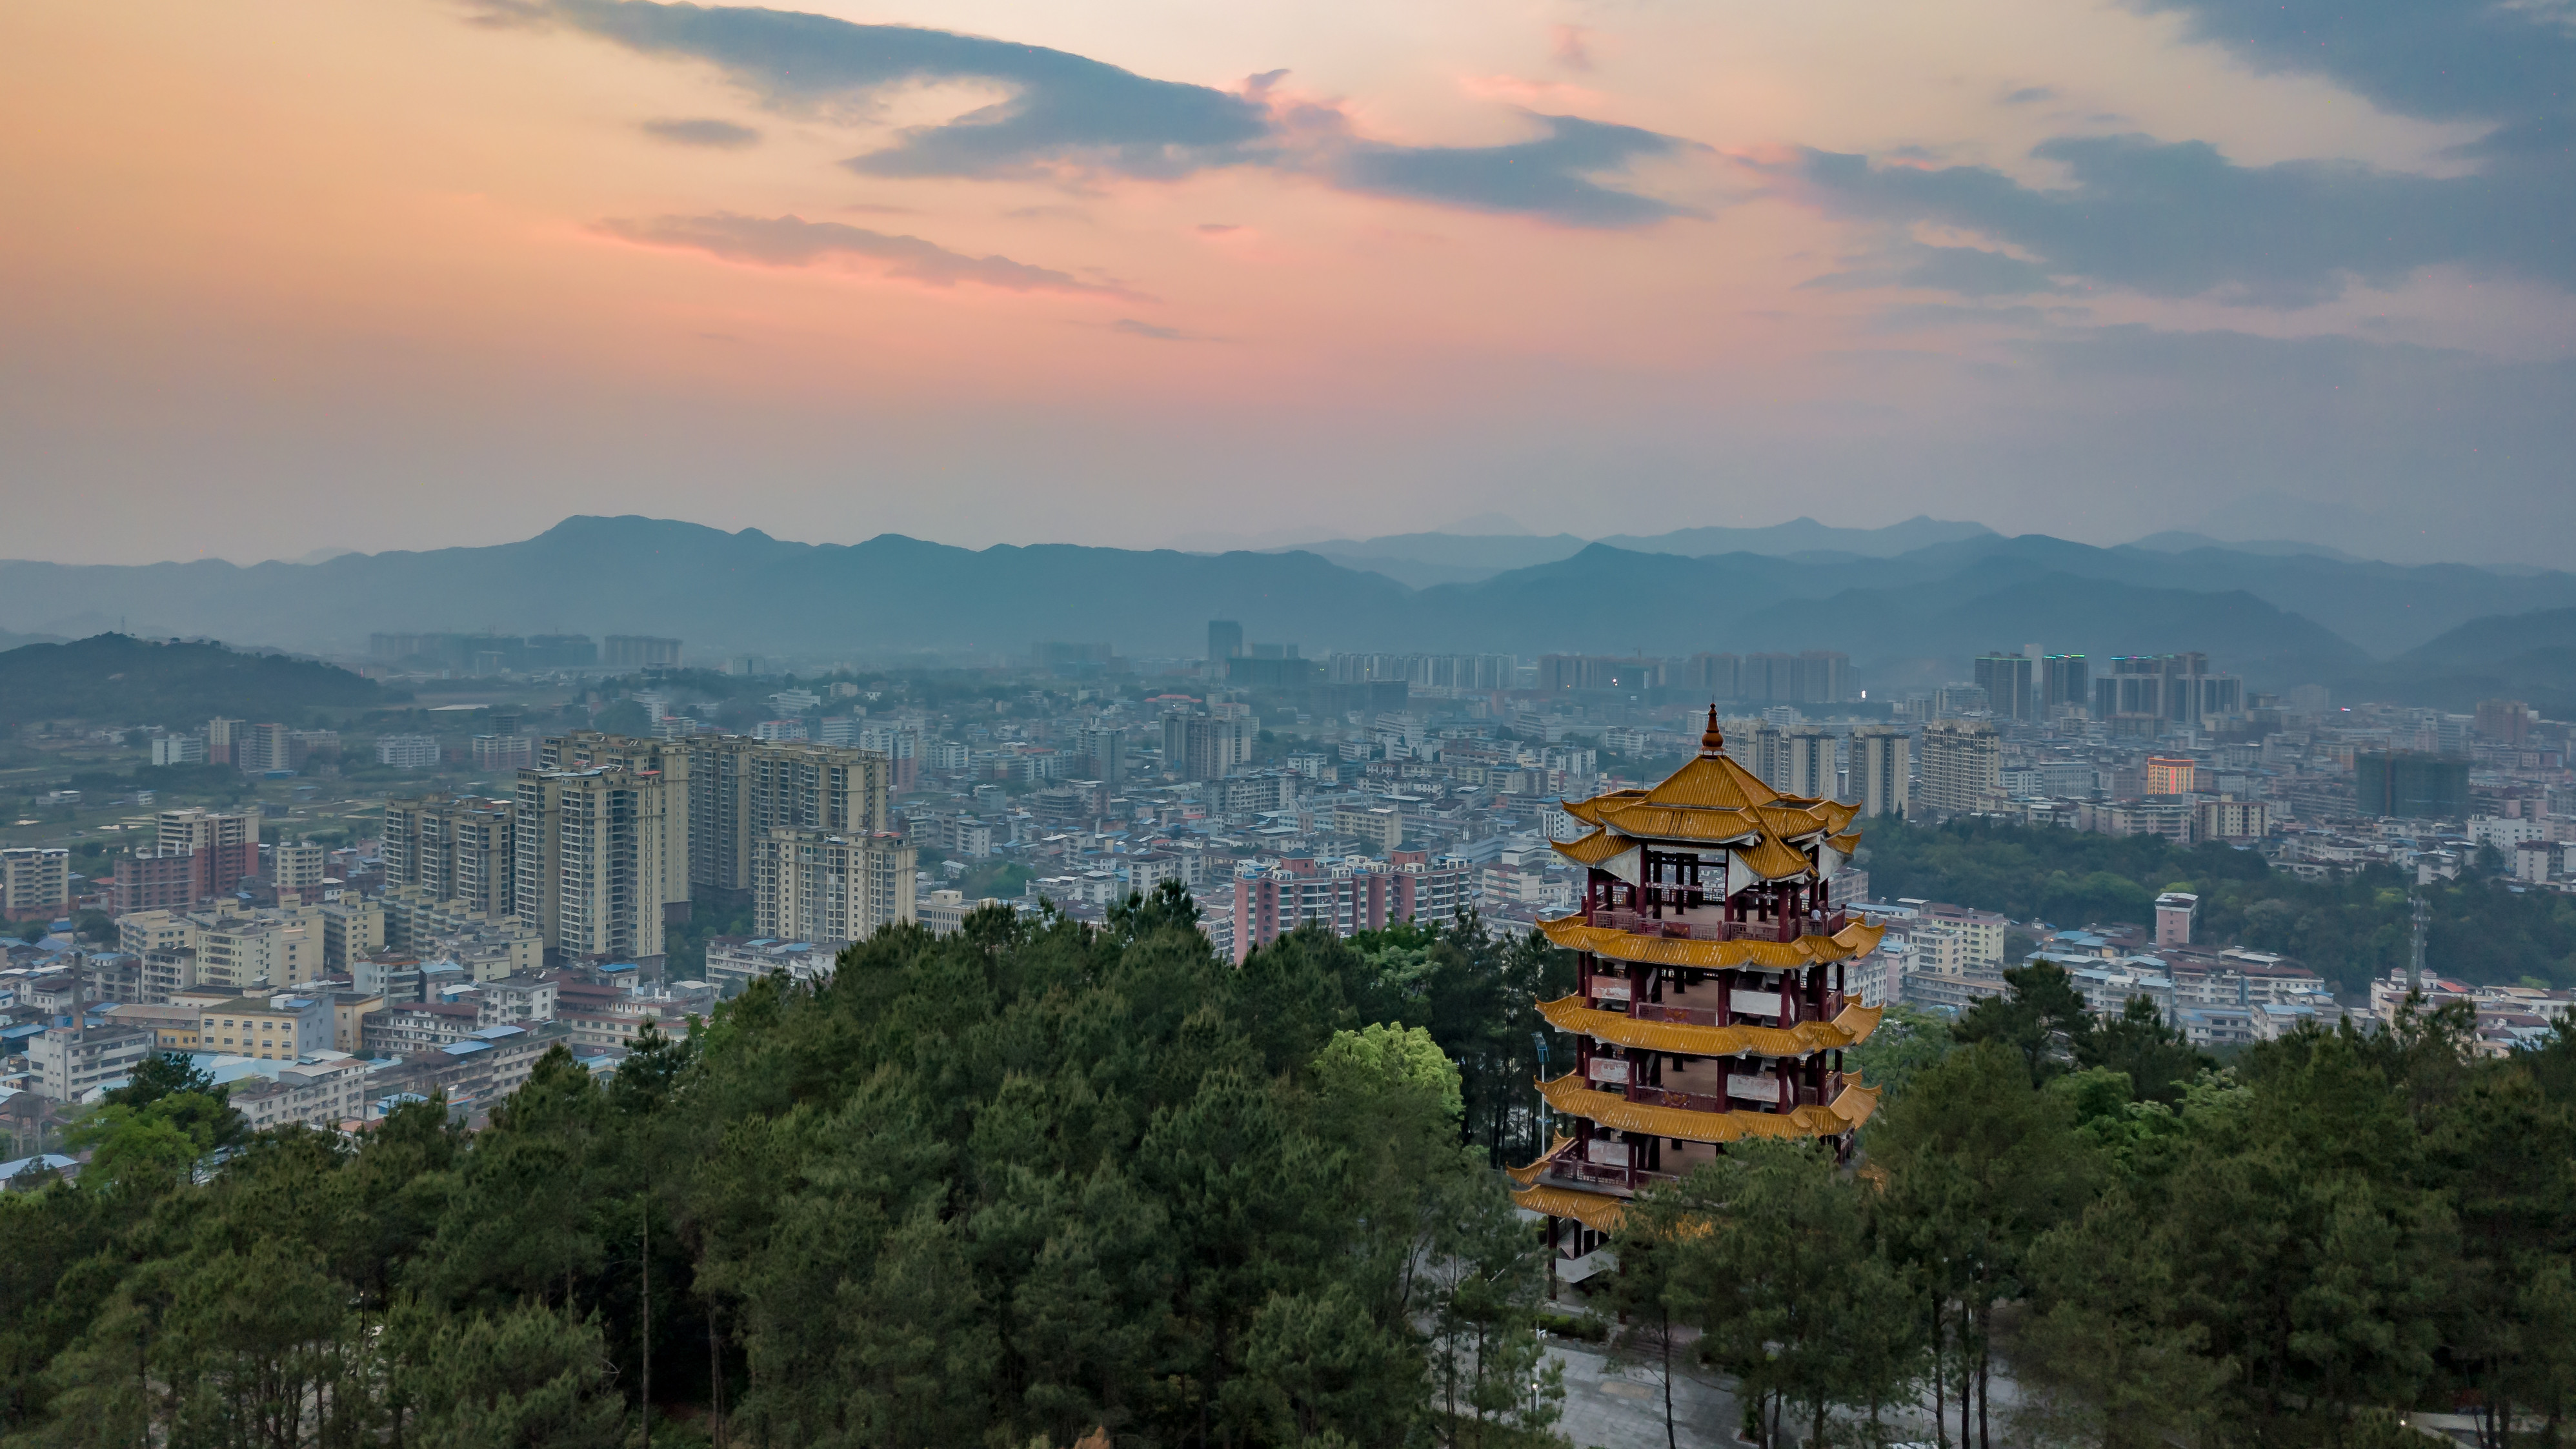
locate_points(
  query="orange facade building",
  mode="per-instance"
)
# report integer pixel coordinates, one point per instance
(1710, 1002)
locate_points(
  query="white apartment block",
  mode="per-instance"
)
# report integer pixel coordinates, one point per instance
(830, 889)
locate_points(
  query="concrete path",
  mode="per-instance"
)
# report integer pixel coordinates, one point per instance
(1614, 1404)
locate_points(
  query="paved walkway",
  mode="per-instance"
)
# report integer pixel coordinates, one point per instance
(1614, 1404)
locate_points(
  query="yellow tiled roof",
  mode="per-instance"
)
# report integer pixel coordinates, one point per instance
(1594, 849)
(1676, 822)
(1857, 938)
(1589, 811)
(1527, 1175)
(1773, 859)
(1595, 1210)
(1792, 819)
(1853, 1027)
(1569, 1095)
(1712, 800)
(1713, 782)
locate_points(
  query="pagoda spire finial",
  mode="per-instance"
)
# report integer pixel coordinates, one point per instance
(1711, 741)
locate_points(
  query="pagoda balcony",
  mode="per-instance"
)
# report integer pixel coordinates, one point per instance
(1835, 1001)
(1687, 1101)
(1679, 927)
(1593, 1176)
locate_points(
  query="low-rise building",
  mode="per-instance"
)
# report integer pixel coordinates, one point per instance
(734, 962)
(284, 1027)
(401, 1031)
(943, 912)
(321, 1094)
(174, 1028)
(71, 1062)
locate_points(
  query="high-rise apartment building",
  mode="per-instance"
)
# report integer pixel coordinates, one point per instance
(2011, 685)
(2411, 785)
(2146, 693)
(2504, 721)
(674, 762)
(2064, 680)
(219, 740)
(591, 857)
(1962, 766)
(1599, 671)
(461, 849)
(218, 850)
(639, 651)
(1101, 754)
(1797, 761)
(830, 888)
(1882, 771)
(1225, 640)
(1203, 747)
(35, 882)
(740, 788)
(262, 747)
(1719, 676)
(900, 743)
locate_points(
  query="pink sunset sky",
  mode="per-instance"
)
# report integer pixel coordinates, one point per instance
(301, 273)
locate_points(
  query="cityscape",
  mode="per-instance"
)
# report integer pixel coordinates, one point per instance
(1287, 726)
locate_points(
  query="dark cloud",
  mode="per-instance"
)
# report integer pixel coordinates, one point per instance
(2446, 59)
(790, 241)
(1549, 177)
(1064, 111)
(1134, 328)
(1944, 316)
(2030, 95)
(1217, 228)
(702, 131)
(1067, 114)
(2179, 219)
(1968, 271)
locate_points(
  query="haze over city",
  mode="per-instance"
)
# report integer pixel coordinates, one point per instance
(1579, 724)
(414, 274)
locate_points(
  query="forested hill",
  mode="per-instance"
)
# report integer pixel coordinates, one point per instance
(2348, 930)
(1006, 1187)
(116, 679)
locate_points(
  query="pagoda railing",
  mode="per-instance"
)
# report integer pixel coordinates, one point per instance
(1785, 929)
(1687, 1101)
(1696, 1016)
(1603, 1172)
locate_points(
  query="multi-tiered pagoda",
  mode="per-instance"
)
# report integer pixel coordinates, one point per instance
(1710, 1005)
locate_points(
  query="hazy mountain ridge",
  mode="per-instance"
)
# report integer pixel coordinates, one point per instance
(2297, 617)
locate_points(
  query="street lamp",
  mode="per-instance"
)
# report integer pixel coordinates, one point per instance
(1538, 1039)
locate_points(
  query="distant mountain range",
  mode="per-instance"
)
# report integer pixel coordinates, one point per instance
(1915, 600)
(1422, 560)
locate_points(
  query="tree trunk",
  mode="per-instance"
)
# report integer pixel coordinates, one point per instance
(715, 1376)
(648, 1326)
(1940, 1385)
(1671, 1439)
(1985, 1358)
(1964, 1378)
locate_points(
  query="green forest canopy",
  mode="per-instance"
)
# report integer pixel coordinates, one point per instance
(117, 679)
(2348, 929)
(1008, 1186)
